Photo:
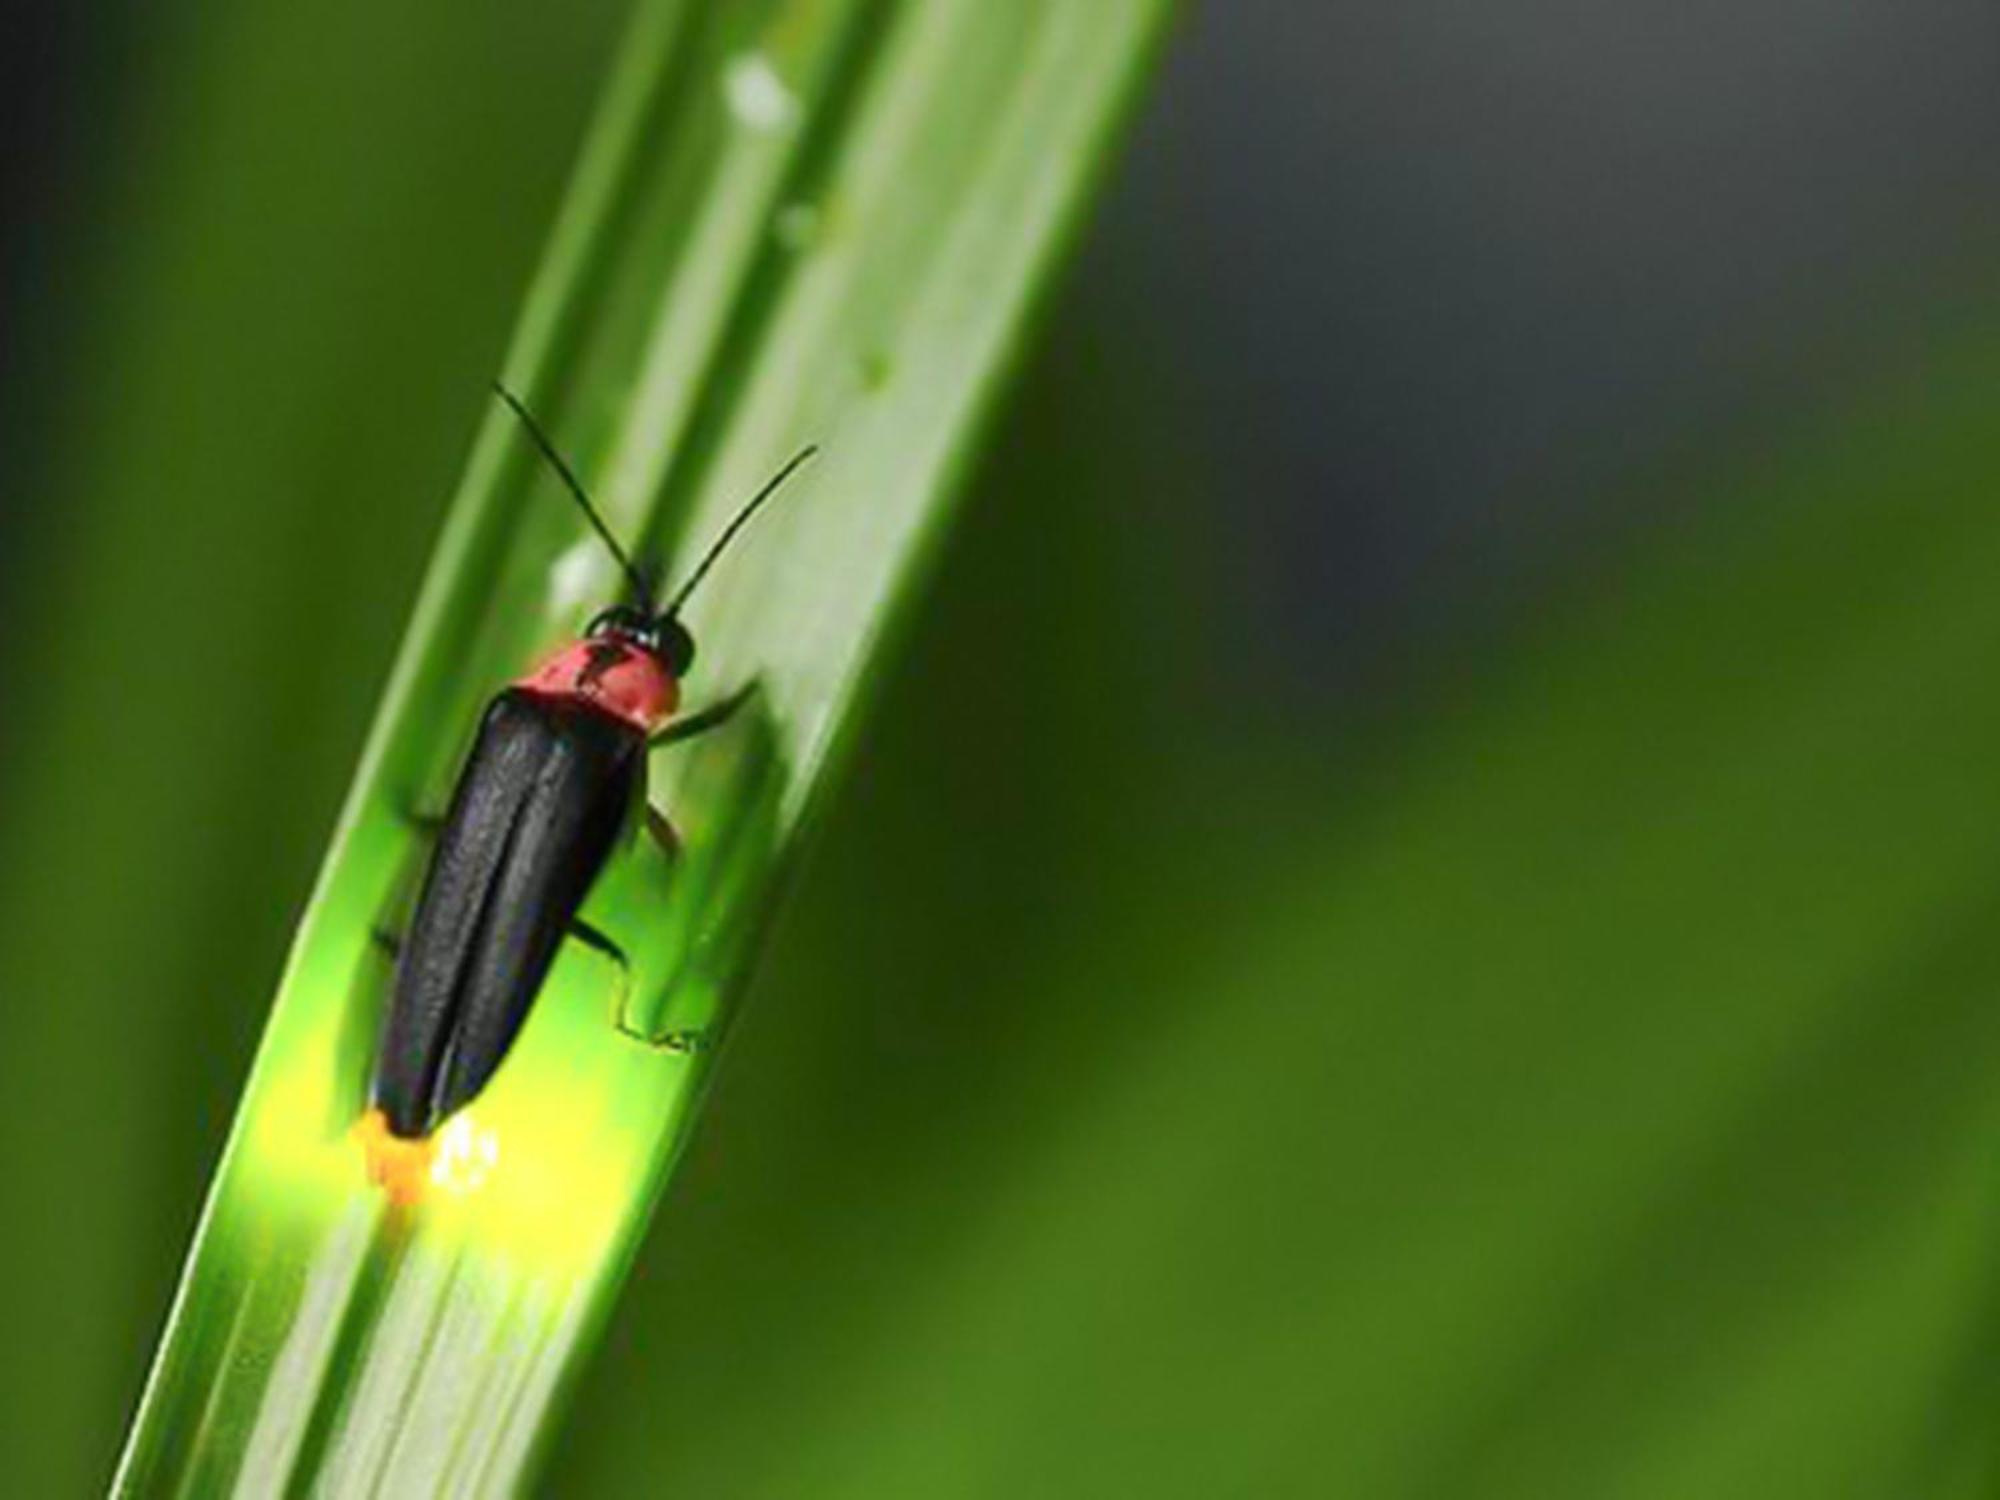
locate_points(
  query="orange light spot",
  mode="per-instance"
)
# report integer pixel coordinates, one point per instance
(400, 1167)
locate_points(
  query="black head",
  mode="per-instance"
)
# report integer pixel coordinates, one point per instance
(662, 636)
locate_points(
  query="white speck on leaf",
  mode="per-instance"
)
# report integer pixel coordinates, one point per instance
(757, 95)
(576, 577)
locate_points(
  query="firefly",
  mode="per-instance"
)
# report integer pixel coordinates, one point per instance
(555, 778)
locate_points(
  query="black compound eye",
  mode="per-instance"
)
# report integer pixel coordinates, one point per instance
(676, 647)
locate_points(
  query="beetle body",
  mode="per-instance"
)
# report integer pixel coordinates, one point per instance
(553, 780)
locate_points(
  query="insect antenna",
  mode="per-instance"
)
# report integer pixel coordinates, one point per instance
(735, 525)
(642, 591)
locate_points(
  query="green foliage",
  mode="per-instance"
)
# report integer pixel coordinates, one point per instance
(1579, 1085)
(255, 415)
(792, 221)
(1582, 1087)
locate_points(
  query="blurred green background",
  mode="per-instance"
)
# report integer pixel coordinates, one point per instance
(1419, 917)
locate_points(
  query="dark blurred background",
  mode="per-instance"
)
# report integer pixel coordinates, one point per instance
(1458, 724)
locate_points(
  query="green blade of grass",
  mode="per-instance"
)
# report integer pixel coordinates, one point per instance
(821, 220)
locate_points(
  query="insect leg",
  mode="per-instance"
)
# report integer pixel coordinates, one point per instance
(598, 943)
(386, 940)
(663, 834)
(712, 717)
(673, 1041)
(423, 824)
